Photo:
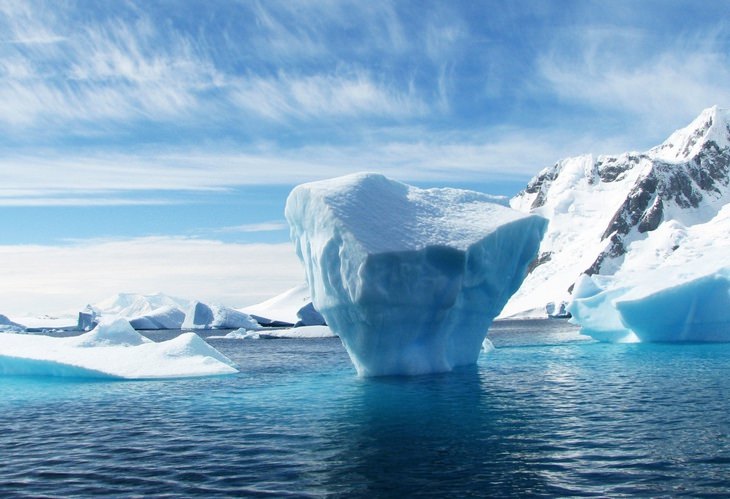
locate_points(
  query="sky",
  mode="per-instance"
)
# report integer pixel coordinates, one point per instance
(150, 146)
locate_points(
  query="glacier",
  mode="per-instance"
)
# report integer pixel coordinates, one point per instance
(410, 279)
(113, 349)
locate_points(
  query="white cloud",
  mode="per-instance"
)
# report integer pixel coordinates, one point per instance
(418, 156)
(271, 226)
(44, 279)
(330, 95)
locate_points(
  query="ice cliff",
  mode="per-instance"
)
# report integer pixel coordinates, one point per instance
(410, 279)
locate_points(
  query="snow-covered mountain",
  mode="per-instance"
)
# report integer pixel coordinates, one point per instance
(630, 211)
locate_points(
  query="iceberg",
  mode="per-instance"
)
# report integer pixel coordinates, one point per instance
(157, 311)
(202, 316)
(161, 318)
(684, 298)
(8, 326)
(291, 308)
(410, 279)
(113, 349)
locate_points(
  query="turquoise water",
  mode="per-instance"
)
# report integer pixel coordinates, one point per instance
(546, 414)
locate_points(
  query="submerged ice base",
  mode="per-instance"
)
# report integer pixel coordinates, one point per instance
(112, 350)
(410, 279)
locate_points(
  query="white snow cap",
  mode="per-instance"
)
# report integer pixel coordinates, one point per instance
(713, 124)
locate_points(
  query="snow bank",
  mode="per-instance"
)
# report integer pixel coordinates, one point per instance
(303, 332)
(410, 279)
(112, 350)
(202, 316)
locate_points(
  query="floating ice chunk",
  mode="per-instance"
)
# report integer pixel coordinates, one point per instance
(202, 316)
(695, 310)
(302, 332)
(410, 279)
(487, 345)
(114, 350)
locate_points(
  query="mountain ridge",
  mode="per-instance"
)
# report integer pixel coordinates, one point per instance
(599, 206)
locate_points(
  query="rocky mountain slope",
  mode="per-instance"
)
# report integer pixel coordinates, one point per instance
(627, 211)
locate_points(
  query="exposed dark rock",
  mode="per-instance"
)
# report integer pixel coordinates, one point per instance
(539, 260)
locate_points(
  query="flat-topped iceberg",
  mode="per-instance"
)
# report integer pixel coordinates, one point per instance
(113, 349)
(410, 279)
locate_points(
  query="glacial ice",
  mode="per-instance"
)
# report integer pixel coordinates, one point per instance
(111, 350)
(410, 279)
(202, 316)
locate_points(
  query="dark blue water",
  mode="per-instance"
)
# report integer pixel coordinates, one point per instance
(545, 414)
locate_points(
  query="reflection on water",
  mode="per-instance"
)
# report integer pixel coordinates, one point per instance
(546, 413)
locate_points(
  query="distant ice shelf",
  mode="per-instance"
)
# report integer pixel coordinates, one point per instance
(111, 350)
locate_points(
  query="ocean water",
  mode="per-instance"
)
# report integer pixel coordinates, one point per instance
(547, 413)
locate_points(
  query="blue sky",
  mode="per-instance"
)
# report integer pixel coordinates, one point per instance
(187, 123)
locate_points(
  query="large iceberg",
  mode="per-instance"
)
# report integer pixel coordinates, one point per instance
(410, 279)
(113, 349)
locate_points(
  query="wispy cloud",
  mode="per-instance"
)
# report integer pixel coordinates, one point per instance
(419, 156)
(612, 71)
(44, 279)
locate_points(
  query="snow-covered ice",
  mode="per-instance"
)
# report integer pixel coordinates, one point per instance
(302, 332)
(203, 316)
(111, 350)
(623, 213)
(684, 296)
(410, 279)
